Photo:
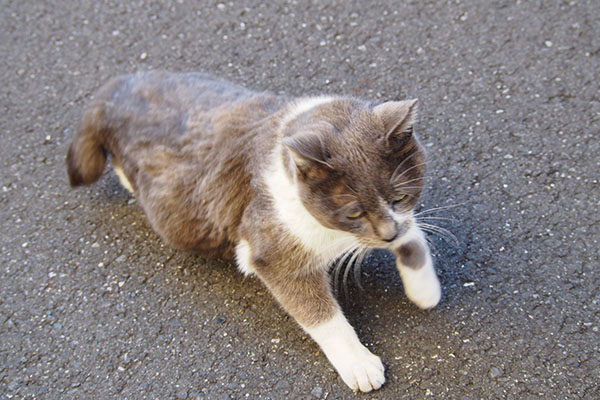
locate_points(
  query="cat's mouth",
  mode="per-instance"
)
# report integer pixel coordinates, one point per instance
(381, 244)
(403, 227)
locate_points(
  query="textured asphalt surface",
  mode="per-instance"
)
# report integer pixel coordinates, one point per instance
(94, 306)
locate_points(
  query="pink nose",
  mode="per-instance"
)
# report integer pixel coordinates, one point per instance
(388, 231)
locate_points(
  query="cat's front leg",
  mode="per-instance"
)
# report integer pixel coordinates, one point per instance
(414, 262)
(357, 366)
(305, 294)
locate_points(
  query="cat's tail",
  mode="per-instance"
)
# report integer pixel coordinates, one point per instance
(86, 156)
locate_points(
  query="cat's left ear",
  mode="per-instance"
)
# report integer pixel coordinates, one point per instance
(398, 118)
(307, 150)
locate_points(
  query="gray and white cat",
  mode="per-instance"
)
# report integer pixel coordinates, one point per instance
(283, 185)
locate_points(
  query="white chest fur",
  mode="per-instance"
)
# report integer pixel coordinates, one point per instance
(326, 243)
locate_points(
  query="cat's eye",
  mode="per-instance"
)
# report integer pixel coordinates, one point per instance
(356, 215)
(398, 199)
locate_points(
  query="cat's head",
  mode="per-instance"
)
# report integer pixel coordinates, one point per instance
(359, 167)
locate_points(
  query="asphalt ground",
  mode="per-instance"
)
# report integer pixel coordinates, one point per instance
(94, 306)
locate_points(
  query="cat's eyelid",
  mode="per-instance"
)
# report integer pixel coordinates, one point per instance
(357, 214)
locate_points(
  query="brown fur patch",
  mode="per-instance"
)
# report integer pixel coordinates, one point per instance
(411, 254)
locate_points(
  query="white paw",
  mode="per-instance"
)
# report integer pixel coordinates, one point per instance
(424, 292)
(414, 262)
(360, 369)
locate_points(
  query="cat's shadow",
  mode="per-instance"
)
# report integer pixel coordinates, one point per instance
(351, 284)
(358, 289)
(112, 191)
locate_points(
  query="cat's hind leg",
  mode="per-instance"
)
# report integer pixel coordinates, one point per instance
(414, 262)
(122, 177)
(243, 257)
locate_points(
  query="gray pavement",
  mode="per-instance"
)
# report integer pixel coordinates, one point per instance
(94, 306)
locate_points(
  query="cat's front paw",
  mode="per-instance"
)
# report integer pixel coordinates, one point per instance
(420, 281)
(424, 291)
(360, 369)
(357, 366)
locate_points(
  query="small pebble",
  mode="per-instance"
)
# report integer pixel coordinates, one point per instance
(495, 372)
(317, 392)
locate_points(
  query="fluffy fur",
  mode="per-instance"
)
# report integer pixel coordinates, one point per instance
(286, 186)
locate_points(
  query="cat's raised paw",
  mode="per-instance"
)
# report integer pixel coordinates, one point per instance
(426, 294)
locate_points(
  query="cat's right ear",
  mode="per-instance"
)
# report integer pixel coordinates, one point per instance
(398, 118)
(307, 150)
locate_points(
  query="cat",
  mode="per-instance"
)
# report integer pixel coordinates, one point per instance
(285, 186)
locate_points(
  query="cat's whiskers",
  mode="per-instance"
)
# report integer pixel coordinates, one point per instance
(407, 170)
(340, 263)
(400, 187)
(426, 222)
(335, 248)
(408, 181)
(358, 266)
(431, 244)
(438, 230)
(359, 254)
(349, 267)
(400, 166)
(430, 210)
(351, 189)
(426, 218)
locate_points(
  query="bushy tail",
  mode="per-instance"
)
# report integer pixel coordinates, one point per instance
(86, 156)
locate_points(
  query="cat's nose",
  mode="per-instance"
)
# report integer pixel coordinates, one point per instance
(388, 231)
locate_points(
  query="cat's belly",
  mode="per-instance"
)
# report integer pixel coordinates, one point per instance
(187, 214)
(186, 229)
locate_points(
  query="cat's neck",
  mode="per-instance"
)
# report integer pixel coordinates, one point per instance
(324, 242)
(327, 243)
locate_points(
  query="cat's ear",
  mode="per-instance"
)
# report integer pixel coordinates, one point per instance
(398, 118)
(307, 150)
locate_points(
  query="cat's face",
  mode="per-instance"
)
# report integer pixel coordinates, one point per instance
(359, 168)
